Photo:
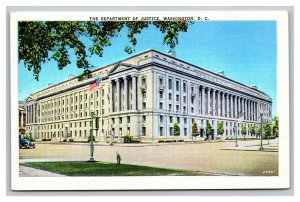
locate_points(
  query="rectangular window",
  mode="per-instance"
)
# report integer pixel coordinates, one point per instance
(170, 107)
(178, 119)
(184, 99)
(170, 84)
(144, 105)
(143, 131)
(128, 119)
(161, 81)
(185, 131)
(161, 119)
(171, 131)
(185, 120)
(177, 97)
(170, 96)
(177, 85)
(144, 119)
(160, 105)
(161, 131)
(177, 108)
(184, 87)
(160, 94)
(120, 120)
(171, 119)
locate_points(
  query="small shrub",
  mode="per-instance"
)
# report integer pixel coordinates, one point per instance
(89, 139)
(71, 140)
(180, 140)
(161, 141)
(127, 139)
(135, 140)
(65, 140)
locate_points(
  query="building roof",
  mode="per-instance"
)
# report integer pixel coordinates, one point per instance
(149, 50)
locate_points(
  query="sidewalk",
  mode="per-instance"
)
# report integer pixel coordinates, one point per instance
(272, 147)
(32, 172)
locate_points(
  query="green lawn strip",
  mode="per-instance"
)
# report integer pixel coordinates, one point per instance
(81, 168)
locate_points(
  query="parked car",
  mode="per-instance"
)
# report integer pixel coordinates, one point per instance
(25, 143)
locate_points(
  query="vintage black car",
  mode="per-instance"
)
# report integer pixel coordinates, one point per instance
(25, 143)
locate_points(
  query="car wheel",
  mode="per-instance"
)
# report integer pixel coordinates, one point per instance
(33, 146)
(26, 146)
(20, 146)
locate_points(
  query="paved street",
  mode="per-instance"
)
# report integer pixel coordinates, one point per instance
(214, 157)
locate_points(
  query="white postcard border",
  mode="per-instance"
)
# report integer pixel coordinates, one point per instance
(160, 182)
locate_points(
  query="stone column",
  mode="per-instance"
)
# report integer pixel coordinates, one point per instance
(256, 113)
(26, 108)
(111, 97)
(227, 104)
(34, 106)
(243, 108)
(213, 102)
(203, 101)
(231, 106)
(235, 107)
(208, 101)
(134, 97)
(118, 98)
(246, 109)
(253, 111)
(22, 114)
(30, 113)
(238, 106)
(219, 103)
(223, 104)
(125, 93)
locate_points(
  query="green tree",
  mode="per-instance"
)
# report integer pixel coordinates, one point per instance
(276, 126)
(176, 130)
(42, 41)
(244, 130)
(252, 129)
(195, 131)
(220, 128)
(258, 130)
(208, 129)
(267, 130)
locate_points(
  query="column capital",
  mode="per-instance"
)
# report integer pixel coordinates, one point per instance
(125, 77)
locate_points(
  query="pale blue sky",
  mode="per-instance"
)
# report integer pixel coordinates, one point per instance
(245, 50)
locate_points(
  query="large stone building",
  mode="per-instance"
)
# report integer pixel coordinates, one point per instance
(143, 96)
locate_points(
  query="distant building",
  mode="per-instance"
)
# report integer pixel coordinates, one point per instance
(22, 118)
(143, 96)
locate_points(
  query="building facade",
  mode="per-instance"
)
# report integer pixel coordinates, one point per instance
(143, 96)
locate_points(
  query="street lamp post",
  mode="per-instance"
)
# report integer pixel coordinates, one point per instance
(92, 113)
(261, 129)
(235, 131)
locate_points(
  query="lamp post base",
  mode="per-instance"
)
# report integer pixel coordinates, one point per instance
(236, 145)
(91, 160)
(261, 148)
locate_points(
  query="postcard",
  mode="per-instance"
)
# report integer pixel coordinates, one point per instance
(149, 100)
